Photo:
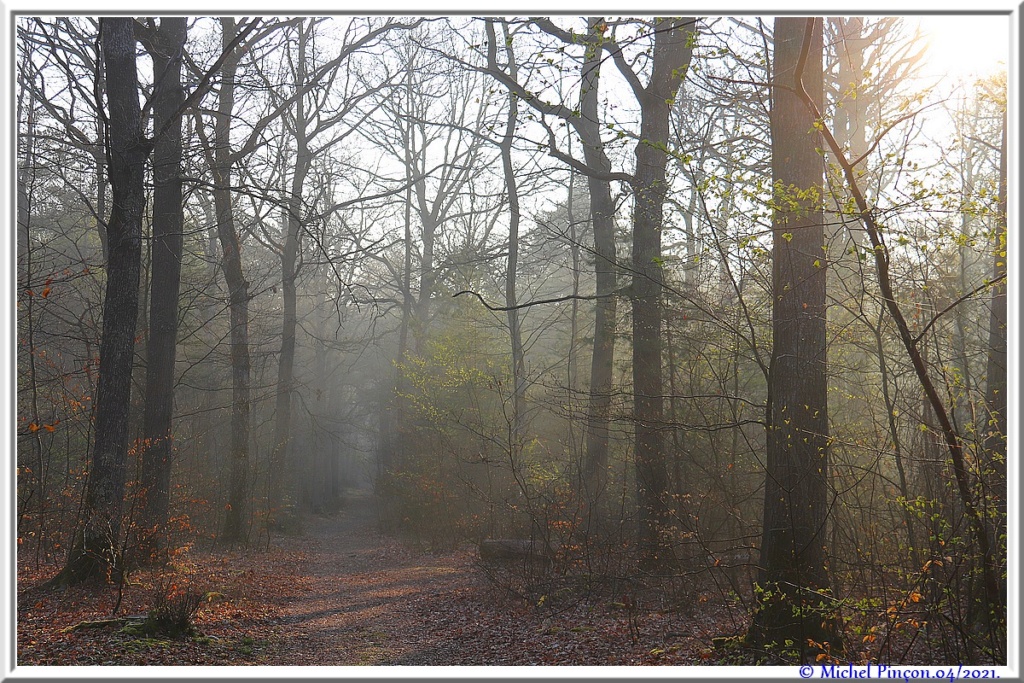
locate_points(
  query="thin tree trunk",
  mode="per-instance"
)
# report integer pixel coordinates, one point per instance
(512, 191)
(395, 415)
(585, 122)
(26, 173)
(996, 382)
(996, 386)
(894, 434)
(27, 168)
(572, 355)
(236, 510)
(428, 279)
(602, 216)
(280, 474)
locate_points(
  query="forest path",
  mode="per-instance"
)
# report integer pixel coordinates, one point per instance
(368, 600)
(343, 594)
(358, 597)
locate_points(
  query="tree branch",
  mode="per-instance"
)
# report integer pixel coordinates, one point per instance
(956, 303)
(539, 302)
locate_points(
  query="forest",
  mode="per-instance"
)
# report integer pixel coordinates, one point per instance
(481, 340)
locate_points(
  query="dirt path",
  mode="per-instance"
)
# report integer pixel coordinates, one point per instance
(342, 594)
(369, 601)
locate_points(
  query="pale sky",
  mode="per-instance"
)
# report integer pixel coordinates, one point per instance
(966, 45)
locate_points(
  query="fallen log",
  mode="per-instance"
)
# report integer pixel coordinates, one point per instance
(104, 623)
(498, 550)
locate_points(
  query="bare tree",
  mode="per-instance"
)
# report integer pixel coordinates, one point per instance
(165, 44)
(512, 196)
(221, 159)
(671, 51)
(673, 48)
(312, 123)
(221, 156)
(993, 611)
(602, 216)
(63, 47)
(585, 120)
(96, 546)
(436, 130)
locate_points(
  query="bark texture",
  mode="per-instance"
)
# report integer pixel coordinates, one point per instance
(95, 552)
(673, 48)
(165, 46)
(795, 604)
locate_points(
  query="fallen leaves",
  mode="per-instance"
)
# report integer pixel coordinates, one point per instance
(342, 594)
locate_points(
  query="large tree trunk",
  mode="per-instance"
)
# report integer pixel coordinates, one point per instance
(165, 47)
(235, 528)
(796, 603)
(94, 553)
(672, 52)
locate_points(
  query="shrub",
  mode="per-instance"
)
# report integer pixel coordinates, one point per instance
(174, 609)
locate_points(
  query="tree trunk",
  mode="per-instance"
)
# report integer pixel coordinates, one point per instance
(994, 603)
(394, 414)
(996, 386)
(428, 278)
(235, 530)
(95, 552)
(572, 354)
(602, 215)
(35, 483)
(101, 166)
(280, 474)
(165, 48)
(672, 52)
(515, 335)
(897, 444)
(796, 605)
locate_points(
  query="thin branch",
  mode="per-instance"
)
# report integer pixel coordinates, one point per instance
(947, 309)
(204, 84)
(883, 133)
(539, 302)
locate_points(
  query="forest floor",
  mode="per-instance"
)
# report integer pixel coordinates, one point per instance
(340, 593)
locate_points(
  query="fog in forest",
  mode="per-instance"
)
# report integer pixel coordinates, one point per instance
(696, 324)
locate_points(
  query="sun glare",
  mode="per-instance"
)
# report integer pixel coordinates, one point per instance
(965, 46)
